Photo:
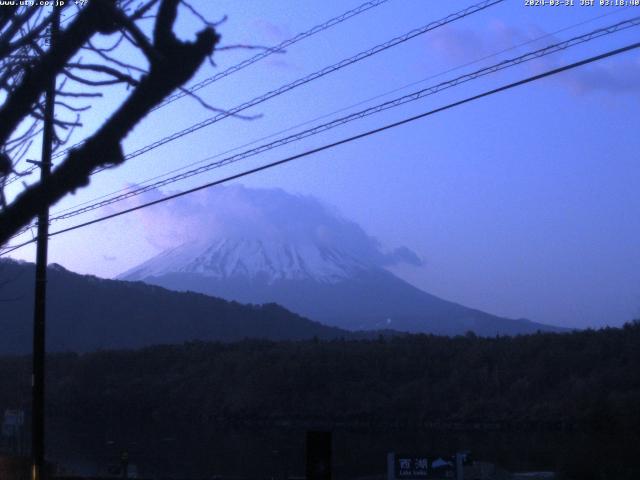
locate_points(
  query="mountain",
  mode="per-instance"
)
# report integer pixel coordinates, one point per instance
(86, 313)
(254, 260)
(318, 280)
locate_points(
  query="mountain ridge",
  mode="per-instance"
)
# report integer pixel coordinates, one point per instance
(87, 313)
(320, 282)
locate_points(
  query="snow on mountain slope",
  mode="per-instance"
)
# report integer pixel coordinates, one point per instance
(261, 234)
(261, 246)
(253, 258)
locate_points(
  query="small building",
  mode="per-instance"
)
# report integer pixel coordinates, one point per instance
(14, 437)
(12, 423)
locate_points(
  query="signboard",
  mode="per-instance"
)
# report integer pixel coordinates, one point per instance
(410, 467)
(415, 467)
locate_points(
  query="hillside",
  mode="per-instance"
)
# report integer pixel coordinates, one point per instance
(86, 313)
(271, 246)
(320, 282)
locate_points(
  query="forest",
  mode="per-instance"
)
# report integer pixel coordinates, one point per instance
(581, 381)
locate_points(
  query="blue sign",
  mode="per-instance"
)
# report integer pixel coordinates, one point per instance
(411, 467)
(415, 467)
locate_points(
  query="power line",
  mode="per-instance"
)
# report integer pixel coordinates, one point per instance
(368, 133)
(321, 117)
(554, 48)
(240, 66)
(309, 78)
(394, 103)
(32, 168)
(623, 25)
(278, 48)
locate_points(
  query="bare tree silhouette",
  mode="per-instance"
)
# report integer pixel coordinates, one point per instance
(84, 64)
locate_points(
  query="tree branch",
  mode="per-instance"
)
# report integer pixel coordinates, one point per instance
(176, 64)
(95, 17)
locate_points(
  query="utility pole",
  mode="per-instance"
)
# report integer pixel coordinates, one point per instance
(38, 470)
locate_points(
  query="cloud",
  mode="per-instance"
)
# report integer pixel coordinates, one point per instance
(274, 34)
(615, 77)
(462, 45)
(109, 258)
(404, 255)
(268, 214)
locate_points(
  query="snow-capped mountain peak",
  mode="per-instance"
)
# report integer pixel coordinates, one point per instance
(259, 259)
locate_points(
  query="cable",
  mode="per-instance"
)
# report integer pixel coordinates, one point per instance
(309, 78)
(278, 48)
(358, 115)
(321, 117)
(32, 168)
(340, 121)
(368, 133)
(239, 66)
(391, 104)
(14, 178)
(361, 114)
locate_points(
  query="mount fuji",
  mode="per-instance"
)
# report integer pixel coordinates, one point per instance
(268, 246)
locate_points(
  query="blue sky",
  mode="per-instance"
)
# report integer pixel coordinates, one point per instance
(523, 204)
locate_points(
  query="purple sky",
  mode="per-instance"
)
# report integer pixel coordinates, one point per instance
(524, 204)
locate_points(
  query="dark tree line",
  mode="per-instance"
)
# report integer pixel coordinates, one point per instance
(588, 380)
